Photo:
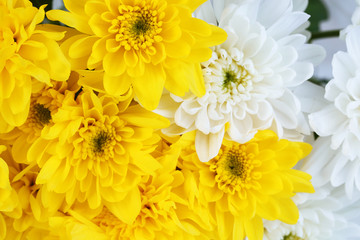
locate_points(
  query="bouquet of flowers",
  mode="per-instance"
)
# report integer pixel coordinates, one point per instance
(175, 119)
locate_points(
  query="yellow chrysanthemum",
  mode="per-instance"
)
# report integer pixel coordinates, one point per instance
(28, 54)
(148, 44)
(245, 183)
(96, 150)
(156, 218)
(43, 105)
(23, 211)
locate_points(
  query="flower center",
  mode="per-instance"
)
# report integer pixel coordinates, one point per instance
(233, 78)
(229, 77)
(234, 168)
(99, 141)
(138, 27)
(291, 236)
(40, 115)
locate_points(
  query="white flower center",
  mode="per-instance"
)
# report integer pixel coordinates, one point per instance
(229, 77)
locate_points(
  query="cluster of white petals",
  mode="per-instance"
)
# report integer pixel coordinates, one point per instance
(251, 78)
(324, 215)
(340, 119)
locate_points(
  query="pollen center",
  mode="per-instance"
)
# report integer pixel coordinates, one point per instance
(138, 27)
(291, 236)
(99, 141)
(234, 76)
(237, 164)
(40, 115)
(233, 168)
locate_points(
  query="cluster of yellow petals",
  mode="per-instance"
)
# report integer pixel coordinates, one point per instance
(246, 183)
(96, 150)
(29, 55)
(144, 44)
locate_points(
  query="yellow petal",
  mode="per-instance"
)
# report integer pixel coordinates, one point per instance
(133, 205)
(82, 47)
(254, 228)
(76, 21)
(98, 25)
(114, 64)
(116, 86)
(48, 170)
(131, 58)
(33, 50)
(149, 87)
(138, 116)
(92, 79)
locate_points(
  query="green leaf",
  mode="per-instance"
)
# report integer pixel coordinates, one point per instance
(318, 12)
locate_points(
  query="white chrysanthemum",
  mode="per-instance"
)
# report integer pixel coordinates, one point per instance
(324, 215)
(340, 119)
(355, 20)
(250, 78)
(332, 166)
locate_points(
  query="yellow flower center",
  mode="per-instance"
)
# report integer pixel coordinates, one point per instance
(234, 168)
(138, 27)
(100, 141)
(39, 115)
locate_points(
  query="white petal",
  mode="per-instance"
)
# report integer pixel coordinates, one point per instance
(241, 130)
(287, 24)
(312, 53)
(332, 90)
(326, 121)
(304, 71)
(352, 43)
(343, 69)
(310, 96)
(183, 119)
(353, 87)
(208, 145)
(202, 121)
(285, 110)
(271, 10)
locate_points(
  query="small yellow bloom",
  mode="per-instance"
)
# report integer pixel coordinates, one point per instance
(155, 208)
(96, 150)
(245, 183)
(29, 54)
(146, 44)
(23, 211)
(43, 105)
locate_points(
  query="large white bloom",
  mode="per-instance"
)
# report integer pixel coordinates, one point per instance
(324, 215)
(340, 119)
(250, 78)
(332, 166)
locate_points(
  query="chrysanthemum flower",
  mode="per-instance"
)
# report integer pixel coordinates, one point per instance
(28, 54)
(43, 104)
(8, 196)
(148, 44)
(96, 150)
(340, 118)
(249, 78)
(246, 183)
(23, 211)
(156, 218)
